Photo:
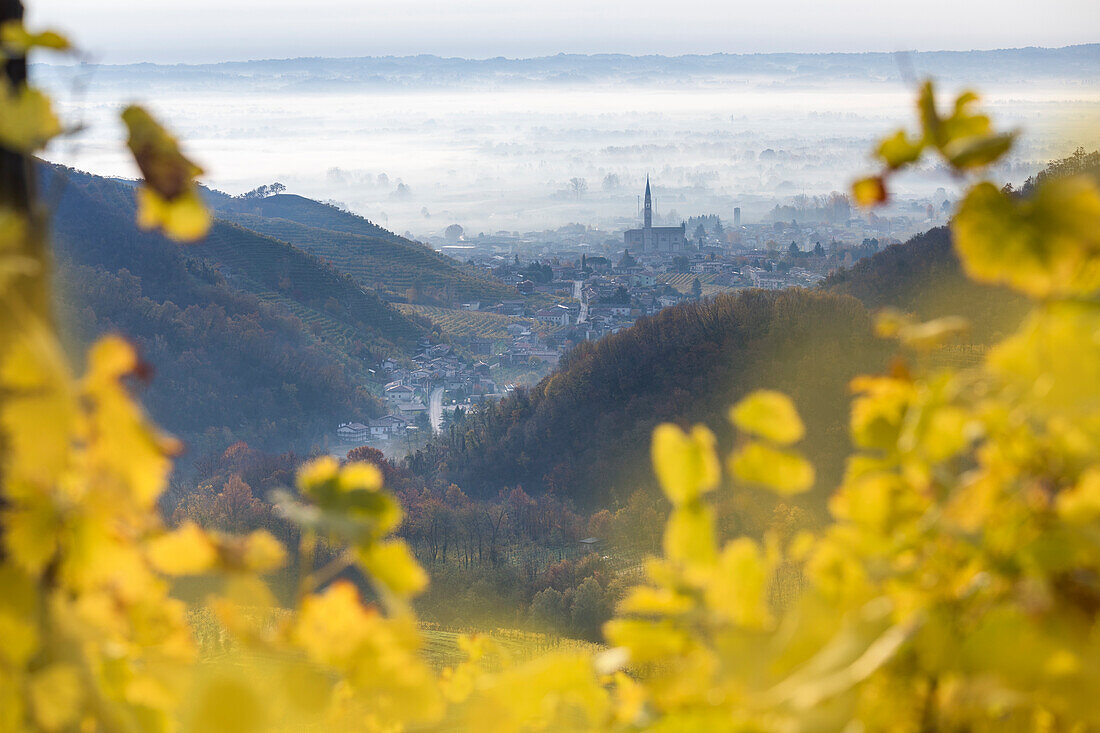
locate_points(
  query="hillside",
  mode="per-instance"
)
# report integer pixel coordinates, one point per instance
(584, 431)
(248, 337)
(376, 258)
(923, 276)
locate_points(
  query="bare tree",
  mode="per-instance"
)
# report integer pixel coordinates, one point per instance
(579, 186)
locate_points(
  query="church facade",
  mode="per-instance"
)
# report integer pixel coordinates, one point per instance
(651, 239)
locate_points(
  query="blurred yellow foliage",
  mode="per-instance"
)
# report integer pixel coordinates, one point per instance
(957, 588)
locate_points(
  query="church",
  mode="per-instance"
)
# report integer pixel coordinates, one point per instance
(650, 239)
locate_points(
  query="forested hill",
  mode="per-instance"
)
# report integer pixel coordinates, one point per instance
(923, 276)
(249, 337)
(584, 431)
(375, 257)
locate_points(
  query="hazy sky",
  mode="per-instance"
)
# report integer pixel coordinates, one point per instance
(166, 31)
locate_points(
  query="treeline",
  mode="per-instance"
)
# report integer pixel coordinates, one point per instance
(511, 560)
(583, 433)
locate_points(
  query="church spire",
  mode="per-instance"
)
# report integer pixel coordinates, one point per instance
(648, 221)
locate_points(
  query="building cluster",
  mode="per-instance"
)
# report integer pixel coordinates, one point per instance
(437, 374)
(579, 283)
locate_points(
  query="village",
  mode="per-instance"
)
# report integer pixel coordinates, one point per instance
(574, 286)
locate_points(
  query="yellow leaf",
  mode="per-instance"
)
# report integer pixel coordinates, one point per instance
(186, 550)
(978, 151)
(689, 534)
(738, 588)
(393, 566)
(644, 600)
(648, 641)
(869, 191)
(332, 624)
(56, 696)
(1048, 245)
(685, 463)
(359, 475)
(27, 119)
(770, 415)
(898, 150)
(170, 199)
(1081, 503)
(889, 322)
(228, 700)
(18, 40)
(18, 611)
(932, 334)
(183, 218)
(782, 471)
(878, 413)
(122, 444)
(157, 154)
(1054, 358)
(316, 473)
(31, 533)
(262, 552)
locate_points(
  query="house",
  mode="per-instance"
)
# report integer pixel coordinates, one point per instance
(399, 393)
(512, 307)
(353, 432)
(556, 316)
(409, 410)
(386, 426)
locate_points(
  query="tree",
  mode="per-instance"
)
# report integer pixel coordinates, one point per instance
(696, 288)
(548, 610)
(611, 182)
(819, 251)
(454, 232)
(260, 192)
(587, 612)
(700, 234)
(793, 250)
(578, 186)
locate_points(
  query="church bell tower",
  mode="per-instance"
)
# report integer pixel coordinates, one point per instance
(648, 220)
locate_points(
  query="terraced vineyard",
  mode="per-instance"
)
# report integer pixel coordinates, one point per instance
(682, 282)
(463, 324)
(279, 273)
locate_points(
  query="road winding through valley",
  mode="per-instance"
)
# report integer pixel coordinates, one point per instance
(435, 409)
